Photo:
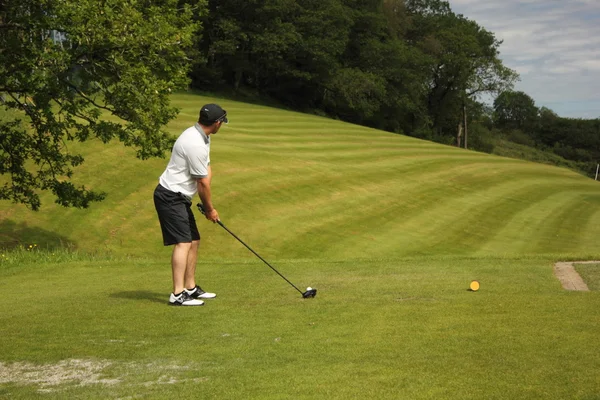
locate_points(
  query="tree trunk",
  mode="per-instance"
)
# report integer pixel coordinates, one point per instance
(239, 74)
(459, 135)
(466, 130)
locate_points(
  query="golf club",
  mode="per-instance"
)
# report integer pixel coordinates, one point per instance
(310, 292)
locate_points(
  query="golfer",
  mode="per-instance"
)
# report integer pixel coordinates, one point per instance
(188, 173)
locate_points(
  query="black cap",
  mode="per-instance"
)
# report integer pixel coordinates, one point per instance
(211, 113)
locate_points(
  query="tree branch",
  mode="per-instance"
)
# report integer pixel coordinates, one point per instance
(10, 25)
(87, 98)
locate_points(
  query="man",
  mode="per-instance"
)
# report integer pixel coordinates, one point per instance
(188, 172)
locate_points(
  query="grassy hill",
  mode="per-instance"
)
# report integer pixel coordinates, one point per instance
(301, 186)
(390, 229)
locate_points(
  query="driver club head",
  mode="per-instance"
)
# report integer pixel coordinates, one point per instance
(310, 293)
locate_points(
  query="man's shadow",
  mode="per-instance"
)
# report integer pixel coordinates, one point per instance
(141, 295)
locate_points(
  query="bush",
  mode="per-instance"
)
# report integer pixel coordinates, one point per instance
(574, 154)
(480, 138)
(520, 137)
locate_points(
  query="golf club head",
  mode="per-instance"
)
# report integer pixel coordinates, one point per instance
(309, 294)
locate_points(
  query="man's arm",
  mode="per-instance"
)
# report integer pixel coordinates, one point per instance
(205, 196)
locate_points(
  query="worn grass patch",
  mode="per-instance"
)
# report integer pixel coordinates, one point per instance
(95, 378)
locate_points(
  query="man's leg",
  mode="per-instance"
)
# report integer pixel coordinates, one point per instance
(191, 288)
(179, 262)
(190, 270)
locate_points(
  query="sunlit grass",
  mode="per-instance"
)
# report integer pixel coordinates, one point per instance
(389, 229)
(590, 273)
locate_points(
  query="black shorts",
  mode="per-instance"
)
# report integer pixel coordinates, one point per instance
(177, 220)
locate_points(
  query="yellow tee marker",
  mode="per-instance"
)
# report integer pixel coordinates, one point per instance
(474, 286)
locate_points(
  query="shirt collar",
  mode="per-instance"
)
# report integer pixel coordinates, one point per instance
(201, 131)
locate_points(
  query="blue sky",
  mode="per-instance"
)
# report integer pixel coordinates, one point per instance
(553, 45)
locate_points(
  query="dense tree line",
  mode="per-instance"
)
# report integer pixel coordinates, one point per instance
(406, 66)
(578, 140)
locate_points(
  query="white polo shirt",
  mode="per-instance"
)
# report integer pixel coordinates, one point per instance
(189, 161)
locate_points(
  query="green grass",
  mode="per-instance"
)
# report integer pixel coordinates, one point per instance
(381, 329)
(339, 190)
(390, 229)
(590, 273)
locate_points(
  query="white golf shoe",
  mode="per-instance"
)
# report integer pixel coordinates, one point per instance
(198, 293)
(184, 299)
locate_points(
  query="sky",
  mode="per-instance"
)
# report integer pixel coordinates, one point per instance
(554, 45)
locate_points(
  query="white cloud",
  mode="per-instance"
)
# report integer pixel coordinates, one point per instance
(554, 46)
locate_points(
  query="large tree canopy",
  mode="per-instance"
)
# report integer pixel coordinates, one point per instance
(65, 63)
(464, 61)
(407, 66)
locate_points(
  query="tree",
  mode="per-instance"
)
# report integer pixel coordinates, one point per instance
(65, 63)
(387, 71)
(516, 110)
(285, 49)
(464, 62)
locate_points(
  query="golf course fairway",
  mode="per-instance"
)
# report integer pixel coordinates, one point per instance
(391, 230)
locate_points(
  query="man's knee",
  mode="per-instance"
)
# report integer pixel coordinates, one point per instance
(182, 246)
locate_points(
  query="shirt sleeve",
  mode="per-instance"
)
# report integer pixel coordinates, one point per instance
(199, 160)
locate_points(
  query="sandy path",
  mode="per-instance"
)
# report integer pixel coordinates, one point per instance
(568, 277)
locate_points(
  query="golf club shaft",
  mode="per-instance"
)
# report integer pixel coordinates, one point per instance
(257, 255)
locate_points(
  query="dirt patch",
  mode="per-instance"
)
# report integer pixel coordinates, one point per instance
(568, 277)
(65, 374)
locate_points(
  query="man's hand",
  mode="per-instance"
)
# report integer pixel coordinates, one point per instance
(212, 215)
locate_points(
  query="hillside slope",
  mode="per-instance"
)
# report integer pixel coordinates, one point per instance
(297, 186)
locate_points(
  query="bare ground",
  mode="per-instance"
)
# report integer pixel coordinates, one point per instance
(54, 377)
(568, 277)
(82, 372)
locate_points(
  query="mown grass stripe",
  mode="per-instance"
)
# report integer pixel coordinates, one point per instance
(565, 227)
(525, 226)
(292, 177)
